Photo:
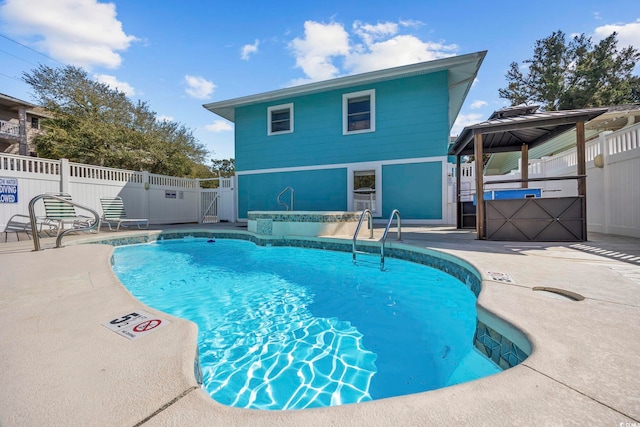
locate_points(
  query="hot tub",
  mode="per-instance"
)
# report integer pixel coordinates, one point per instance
(303, 223)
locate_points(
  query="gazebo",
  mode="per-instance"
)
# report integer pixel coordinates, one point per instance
(526, 219)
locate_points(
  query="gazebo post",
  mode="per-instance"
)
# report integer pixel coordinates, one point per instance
(458, 183)
(524, 165)
(582, 172)
(480, 228)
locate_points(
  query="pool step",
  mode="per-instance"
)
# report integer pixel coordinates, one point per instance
(365, 253)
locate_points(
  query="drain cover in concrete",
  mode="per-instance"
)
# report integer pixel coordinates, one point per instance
(500, 277)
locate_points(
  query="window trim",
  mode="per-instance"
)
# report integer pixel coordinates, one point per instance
(372, 111)
(280, 107)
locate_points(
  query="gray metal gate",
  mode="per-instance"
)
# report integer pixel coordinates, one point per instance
(536, 219)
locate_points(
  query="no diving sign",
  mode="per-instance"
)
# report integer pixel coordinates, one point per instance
(135, 325)
(8, 190)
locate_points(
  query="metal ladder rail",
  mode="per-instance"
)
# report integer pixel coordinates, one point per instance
(365, 214)
(395, 212)
(280, 203)
(34, 220)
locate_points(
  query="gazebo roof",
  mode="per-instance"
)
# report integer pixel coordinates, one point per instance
(510, 128)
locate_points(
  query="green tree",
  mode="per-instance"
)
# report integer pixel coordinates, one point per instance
(95, 124)
(565, 75)
(223, 168)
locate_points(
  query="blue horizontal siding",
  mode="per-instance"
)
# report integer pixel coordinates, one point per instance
(414, 189)
(412, 121)
(321, 190)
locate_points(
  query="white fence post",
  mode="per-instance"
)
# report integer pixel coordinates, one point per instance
(233, 200)
(65, 173)
(146, 195)
(199, 187)
(606, 178)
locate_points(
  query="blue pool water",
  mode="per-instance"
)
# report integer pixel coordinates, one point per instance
(292, 328)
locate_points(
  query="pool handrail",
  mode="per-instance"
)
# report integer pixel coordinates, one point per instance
(280, 203)
(365, 214)
(395, 212)
(34, 221)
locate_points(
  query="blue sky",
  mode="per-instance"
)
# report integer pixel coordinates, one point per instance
(179, 54)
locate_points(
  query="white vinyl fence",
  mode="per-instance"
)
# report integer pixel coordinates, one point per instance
(161, 199)
(613, 180)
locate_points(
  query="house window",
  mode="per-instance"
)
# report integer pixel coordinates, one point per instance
(35, 123)
(359, 112)
(280, 119)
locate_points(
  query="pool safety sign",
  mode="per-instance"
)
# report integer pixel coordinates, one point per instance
(136, 324)
(8, 190)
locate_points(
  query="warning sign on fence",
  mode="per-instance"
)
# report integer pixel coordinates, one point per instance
(134, 325)
(8, 190)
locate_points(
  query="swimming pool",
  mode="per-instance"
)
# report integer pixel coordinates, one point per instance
(292, 328)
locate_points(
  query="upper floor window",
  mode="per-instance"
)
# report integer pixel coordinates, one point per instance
(280, 119)
(359, 112)
(35, 123)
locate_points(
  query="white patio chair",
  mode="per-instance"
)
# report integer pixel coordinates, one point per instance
(18, 223)
(58, 214)
(114, 214)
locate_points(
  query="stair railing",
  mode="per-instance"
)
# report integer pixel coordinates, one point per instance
(34, 220)
(281, 203)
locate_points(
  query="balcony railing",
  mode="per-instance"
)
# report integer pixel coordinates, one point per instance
(8, 128)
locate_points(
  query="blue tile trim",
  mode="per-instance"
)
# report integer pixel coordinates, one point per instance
(264, 227)
(502, 351)
(312, 217)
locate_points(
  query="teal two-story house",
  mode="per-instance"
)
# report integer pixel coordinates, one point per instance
(376, 140)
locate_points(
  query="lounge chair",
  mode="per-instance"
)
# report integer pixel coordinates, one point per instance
(18, 223)
(58, 213)
(115, 215)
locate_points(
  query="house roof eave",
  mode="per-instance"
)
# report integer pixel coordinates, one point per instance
(10, 101)
(462, 71)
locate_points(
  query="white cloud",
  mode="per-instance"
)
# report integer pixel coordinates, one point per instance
(321, 43)
(249, 49)
(79, 32)
(411, 23)
(369, 33)
(628, 34)
(163, 118)
(396, 51)
(478, 104)
(113, 83)
(328, 50)
(464, 120)
(219, 126)
(198, 87)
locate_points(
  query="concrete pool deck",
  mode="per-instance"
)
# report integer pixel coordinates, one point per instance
(60, 366)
